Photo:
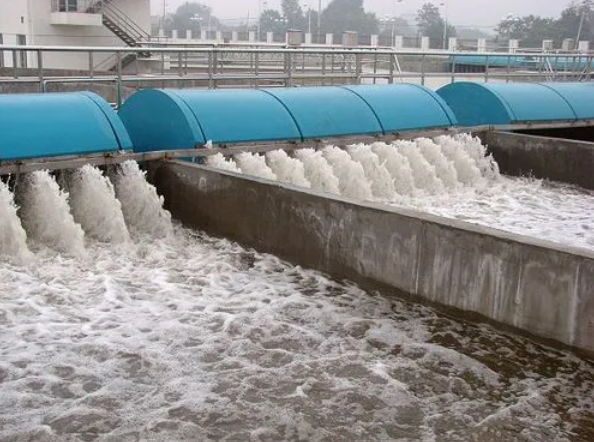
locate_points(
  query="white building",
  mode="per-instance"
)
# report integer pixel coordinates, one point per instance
(71, 23)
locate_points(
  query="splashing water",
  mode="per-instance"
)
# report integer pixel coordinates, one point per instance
(13, 238)
(218, 161)
(142, 207)
(382, 183)
(477, 151)
(95, 207)
(255, 165)
(398, 167)
(467, 171)
(350, 174)
(317, 170)
(444, 168)
(45, 213)
(424, 174)
(287, 169)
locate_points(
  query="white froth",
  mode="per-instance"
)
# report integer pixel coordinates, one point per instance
(95, 207)
(382, 183)
(444, 168)
(190, 338)
(142, 207)
(287, 169)
(13, 238)
(350, 174)
(254, 164)
(424, 173)
(398, 166)
(218, 161)
(317, 171)
(185, 337)
(45, 213)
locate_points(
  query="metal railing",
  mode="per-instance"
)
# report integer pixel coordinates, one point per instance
(220, 66)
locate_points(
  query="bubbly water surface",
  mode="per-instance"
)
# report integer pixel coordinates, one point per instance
(453, 177)
(177, 336)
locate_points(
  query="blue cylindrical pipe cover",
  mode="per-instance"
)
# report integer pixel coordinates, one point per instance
(184, 119)
(45, 125)
(402, 107)
(579, 95)
(324, 112)
(476, 104)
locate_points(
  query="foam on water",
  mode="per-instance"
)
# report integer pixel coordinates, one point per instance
(218, 161)
(189, 338)
(317, 171)
(350, 174)
(254, 164)
(444, 168)
(467, 170)
(95, 207)
(382, 183)
(13, 238)
(398, 166)
(45, 213)
(142, 207)
(287, 169)
(424, 173)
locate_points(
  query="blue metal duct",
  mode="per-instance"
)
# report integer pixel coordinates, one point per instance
(476, 104)
(45, 125)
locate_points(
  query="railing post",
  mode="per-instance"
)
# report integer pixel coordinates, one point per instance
(391, 63)
(256, 69)
(119, 79)
(15, 64)
(91, 65)
(487, 69)
(423, 69)
(40, 69)
(358, 67)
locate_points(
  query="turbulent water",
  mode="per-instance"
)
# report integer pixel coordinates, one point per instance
(455, 178)
(176, 336)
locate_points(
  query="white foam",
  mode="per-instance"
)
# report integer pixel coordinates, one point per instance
(350, 174)
(95, 207)
(424, 173)
(218, 161)
(13, 238)
(287, 169)
(254, 164)
(45, 213)
(142, 207)
(398, 166)
(317, 170)
(382, 183)
(444, 168)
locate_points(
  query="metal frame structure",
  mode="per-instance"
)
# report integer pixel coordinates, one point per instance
(246, 66)
(113, 158)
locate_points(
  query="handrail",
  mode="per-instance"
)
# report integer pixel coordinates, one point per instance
(284, 50)
(124, 21)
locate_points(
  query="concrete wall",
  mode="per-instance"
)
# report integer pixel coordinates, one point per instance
(533, 285)
(555, 159)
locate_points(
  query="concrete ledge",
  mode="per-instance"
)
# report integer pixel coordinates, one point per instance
(555, 159)
(533, 285)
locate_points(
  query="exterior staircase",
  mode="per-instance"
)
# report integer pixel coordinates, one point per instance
(121, 25)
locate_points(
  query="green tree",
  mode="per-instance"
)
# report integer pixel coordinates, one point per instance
(431, 24)
(272, 21)
(194, 16)
(348, 15)
(577, 17)
(293, 13)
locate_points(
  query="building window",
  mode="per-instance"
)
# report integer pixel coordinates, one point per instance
(67, 5)
(22, 41)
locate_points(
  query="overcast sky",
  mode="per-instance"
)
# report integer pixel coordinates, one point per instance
(460, 12)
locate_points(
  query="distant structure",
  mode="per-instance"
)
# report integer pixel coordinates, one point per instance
(72, 23)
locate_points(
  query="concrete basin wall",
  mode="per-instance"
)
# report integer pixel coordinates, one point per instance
(556, 159)
(533, 285)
